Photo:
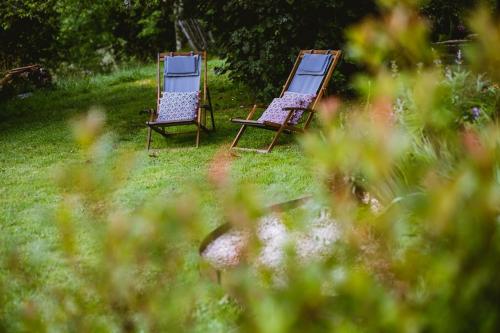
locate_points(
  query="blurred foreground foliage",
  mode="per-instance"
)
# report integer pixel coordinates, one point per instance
(423, 139)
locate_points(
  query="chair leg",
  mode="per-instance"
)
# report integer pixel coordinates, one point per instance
(308, 121)
(275, 139)
(238, 136)
(213, 120)
(164, 133)
(149, 138)
(198, 135)
(159, 130)
(211, 109)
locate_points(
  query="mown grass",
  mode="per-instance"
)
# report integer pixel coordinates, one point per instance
(35, 139)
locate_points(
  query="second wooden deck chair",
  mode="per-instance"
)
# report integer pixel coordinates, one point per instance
(302, 91)
(178, 98)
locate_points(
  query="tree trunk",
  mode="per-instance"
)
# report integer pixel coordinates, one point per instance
(178, 8)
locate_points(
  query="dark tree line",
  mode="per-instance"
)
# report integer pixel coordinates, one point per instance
(258, 38)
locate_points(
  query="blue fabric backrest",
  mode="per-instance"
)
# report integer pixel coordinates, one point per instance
(182, 73)
(310, 73)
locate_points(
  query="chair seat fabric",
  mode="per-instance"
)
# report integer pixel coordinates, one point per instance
(175, 106)
(275, 111)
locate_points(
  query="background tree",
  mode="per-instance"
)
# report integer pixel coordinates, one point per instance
(260, 40)
(28, 32)
(86, 34)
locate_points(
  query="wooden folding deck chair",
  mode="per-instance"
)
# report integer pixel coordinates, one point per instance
(182, 72)
(310, 76)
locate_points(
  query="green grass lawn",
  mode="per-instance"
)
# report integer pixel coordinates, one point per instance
(35, 138)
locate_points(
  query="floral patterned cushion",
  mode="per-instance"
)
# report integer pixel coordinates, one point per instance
(275, 112)
(178, 106)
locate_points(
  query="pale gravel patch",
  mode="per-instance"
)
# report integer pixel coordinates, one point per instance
(314, 243)
(226, 251)
(273, 235)
(318, 241)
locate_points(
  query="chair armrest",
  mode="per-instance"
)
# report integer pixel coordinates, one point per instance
(292, 108)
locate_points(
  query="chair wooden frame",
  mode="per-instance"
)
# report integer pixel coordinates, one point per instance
(286, 126)
(204, 105)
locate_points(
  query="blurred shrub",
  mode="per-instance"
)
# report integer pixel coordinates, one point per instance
(423, 142)
(123, 270)
(423, 139)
